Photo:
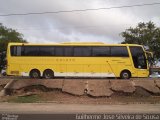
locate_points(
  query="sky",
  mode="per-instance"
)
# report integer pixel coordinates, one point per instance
(85, 26)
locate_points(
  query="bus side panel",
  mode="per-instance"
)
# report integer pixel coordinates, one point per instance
(91, 67)
(118, 64)
(143, 73)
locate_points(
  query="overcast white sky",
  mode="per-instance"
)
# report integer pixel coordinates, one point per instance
(97, 26)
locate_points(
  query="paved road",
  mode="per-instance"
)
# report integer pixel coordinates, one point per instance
(53, 108)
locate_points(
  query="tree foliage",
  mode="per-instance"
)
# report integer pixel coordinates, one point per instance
(9, 35)
(146, 34)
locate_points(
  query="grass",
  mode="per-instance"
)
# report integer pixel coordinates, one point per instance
(24, 99)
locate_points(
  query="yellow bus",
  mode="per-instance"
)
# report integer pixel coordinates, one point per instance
(77, 60)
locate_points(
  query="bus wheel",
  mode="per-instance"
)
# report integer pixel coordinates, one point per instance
(48, 74)
(34, 73)
(125, 74)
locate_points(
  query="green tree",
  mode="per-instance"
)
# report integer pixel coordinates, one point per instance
(7, 35)
(144, 34)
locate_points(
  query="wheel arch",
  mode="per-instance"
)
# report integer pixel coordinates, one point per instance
(49, 72)
(34, 69)
(126, 70)
(47, 69)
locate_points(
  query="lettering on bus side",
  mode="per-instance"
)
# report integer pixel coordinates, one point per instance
(65, 60)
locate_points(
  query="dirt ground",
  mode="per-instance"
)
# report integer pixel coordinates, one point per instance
(58, 96)
(67, 98)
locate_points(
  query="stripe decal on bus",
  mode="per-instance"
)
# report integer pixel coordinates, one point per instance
(77, 74)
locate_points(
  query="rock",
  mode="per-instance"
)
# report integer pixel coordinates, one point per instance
(74, 86)
(157, 82)
(92, 87)
(51, 83)
(2, 87)
(4, 81)
(140, 92)
(6, 90)
(9, 84)
(2, 93)
(148, 85)
(99, 88)
(18, 84)
(125, 86)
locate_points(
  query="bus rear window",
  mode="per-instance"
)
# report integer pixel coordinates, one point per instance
(16, 50)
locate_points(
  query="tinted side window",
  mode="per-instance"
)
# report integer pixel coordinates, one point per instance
(68, 51)
(31, 51)
(77, 51)
(118, 51)
(82, 51)
(46, 51)
(101, 51)
(59, 51)
(86, 51)
(19, 50)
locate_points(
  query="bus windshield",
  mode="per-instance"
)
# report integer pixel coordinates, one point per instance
(138, 56)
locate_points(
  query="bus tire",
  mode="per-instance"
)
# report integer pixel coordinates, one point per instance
(48, 74)
(4, 74)
(35, 73)
(125, 74)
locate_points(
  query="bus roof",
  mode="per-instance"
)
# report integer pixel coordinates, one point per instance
(74, 43)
